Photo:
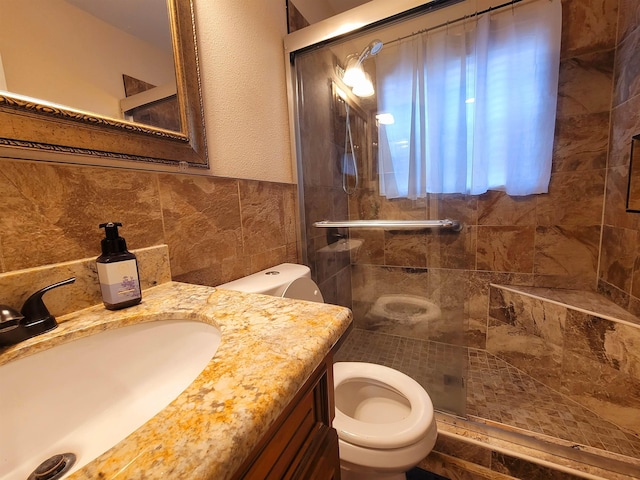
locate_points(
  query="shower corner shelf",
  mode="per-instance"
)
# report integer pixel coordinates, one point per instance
(392, 224)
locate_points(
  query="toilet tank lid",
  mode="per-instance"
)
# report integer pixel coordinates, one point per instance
(270, 281)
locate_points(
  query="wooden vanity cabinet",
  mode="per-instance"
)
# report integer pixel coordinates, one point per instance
(301, 444)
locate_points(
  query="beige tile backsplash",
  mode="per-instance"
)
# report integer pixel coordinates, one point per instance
(216, 229)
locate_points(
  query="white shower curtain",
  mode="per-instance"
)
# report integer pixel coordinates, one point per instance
(473, 105)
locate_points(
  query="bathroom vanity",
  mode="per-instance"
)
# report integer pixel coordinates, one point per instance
(301, 443)
(260, 408)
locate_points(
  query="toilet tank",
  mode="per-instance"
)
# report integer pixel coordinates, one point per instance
(272, 281)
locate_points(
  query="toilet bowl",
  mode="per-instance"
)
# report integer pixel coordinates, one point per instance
(384, 419)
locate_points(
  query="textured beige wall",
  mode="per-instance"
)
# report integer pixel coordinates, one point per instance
(243, 82)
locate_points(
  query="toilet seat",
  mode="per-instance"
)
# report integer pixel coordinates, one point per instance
(424, 309)
(402, 433)
(303, 289)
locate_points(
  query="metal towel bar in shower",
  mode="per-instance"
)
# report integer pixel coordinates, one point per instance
(392, 224)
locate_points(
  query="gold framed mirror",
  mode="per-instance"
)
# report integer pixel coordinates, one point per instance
(33, 127)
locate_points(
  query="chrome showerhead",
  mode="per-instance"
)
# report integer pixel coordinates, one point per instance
(353, 75)
(372, 49)
(375, 47)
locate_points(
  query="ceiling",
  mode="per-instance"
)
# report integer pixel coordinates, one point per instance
(148, 20)
(145, 19)
(315, 10)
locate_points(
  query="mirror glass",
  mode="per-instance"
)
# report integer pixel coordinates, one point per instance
(633, 190)
(125, 72)
(91, 55)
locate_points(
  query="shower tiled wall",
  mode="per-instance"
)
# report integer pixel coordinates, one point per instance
(583, 346)
(217, 229)
(619, 276)
(549, 240)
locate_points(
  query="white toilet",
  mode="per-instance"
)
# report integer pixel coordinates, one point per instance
(385, 421)
(384, 418)
(288, 280)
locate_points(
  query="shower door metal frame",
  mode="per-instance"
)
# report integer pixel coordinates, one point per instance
(350, 21)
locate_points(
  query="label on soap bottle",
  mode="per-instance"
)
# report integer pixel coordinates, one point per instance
(119, 281)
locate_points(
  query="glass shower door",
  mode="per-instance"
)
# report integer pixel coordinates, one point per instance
(408, 289)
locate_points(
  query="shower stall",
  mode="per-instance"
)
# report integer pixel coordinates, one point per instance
(423, 287)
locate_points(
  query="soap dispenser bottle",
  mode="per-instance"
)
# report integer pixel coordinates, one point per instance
(117, 270)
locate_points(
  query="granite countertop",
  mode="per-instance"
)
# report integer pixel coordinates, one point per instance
(269, 347)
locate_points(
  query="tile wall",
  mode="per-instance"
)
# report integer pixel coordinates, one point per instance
(17, 285)
(216, 229)
(619, 276)
(549, 240)
(584, 348)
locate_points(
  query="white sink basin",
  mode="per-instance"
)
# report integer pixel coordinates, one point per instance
(86, 396)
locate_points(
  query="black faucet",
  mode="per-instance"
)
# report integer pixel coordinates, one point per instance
(33, 319)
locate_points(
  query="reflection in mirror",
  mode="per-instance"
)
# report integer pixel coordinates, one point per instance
(88, 56)
(633, 190)
(110, 78)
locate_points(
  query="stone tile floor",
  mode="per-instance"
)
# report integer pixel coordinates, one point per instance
(472, 382)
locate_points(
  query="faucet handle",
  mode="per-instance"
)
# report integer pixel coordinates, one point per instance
(33, 319)
(35, 311)
(9, 318)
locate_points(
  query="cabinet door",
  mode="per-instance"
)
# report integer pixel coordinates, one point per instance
(286, 446)
(301, 444)
(324, 464)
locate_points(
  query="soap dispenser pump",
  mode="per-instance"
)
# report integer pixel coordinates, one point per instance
(117, 270)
